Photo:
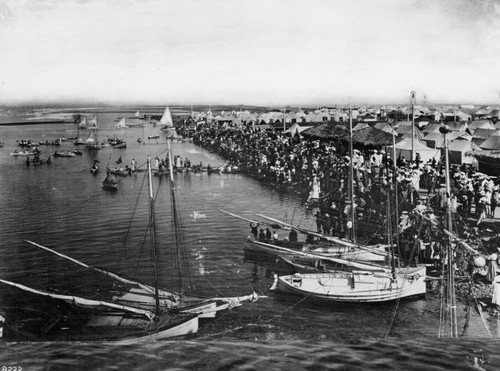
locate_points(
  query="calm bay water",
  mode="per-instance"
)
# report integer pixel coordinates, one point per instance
(62, 206)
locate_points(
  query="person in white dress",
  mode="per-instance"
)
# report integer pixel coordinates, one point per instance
(495, 299)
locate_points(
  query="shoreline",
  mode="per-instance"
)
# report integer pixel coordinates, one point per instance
(35, 122)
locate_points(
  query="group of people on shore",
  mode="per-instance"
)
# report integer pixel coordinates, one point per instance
(321, 168)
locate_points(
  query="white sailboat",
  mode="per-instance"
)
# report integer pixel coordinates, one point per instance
(83, 122)
(91, 141)
(355, 286)
(92, 122)
(122, 124)
(167, 124)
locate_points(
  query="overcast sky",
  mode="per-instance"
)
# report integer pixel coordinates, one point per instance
(265, 52)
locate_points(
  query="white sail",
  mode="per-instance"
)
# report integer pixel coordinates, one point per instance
(92, 138)
(92, 121)
(83, 122)
(166, 119)
(122, 123)
(137, 114)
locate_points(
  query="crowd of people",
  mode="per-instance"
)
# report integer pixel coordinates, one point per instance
(320, 167)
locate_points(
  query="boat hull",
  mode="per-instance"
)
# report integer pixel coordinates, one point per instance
(341, 252)
(113, 326)
(354, 287)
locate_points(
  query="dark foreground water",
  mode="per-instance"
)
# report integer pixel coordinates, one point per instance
(63, 207)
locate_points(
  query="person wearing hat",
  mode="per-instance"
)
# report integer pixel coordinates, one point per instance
(269, 235)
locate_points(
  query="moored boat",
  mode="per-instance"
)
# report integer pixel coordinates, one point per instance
(64, 154)
(355, 287)
(109, 184)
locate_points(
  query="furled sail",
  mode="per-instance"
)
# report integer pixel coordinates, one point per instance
(171, 296)
(82, 302)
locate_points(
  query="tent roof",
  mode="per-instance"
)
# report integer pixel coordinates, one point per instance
(372, 137)
(359, 126)
(463, 146)
(384, 126)
(481, 124)
(296, 128)
(483, 133)
(417, 145)
(432, 128)
(492, 142)
(328, 131)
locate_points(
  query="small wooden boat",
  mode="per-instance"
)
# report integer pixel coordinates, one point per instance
(77, 152)
(356, 286)
(153, 137)
(109, 185)
(120, 172)
(24, 153)
(94, 168)
(64, 154)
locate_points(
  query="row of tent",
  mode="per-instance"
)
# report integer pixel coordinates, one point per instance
(464, 138)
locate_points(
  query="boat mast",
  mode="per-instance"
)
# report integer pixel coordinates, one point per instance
(390, 231)
(350, 188)
(412, 125)
(176, 223)
(452, 304)
(153, 236)
(396, 199)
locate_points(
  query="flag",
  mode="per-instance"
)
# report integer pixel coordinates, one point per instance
(119, 161)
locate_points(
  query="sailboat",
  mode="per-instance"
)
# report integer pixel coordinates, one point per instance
(141, 295)
(167, 124)
(121, 124)
(359, 283)
(91, 141)
(356, 286)
(88, 319)
(83, 122)
(144, 299)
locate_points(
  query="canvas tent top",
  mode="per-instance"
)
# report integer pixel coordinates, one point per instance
(459, 152)
(481, 124)
(360, 125)
(492, 142)
(483, 133)
(296, 129)
(404, 148)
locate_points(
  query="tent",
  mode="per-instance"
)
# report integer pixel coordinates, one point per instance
(492, 142)
(432, 128)
(360, 126)
(458, 149)
(296, 129)
(384, 126)
(436, 140)
(403, 149)
(481, 124)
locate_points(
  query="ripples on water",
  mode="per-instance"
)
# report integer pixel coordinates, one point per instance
(62, 206)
